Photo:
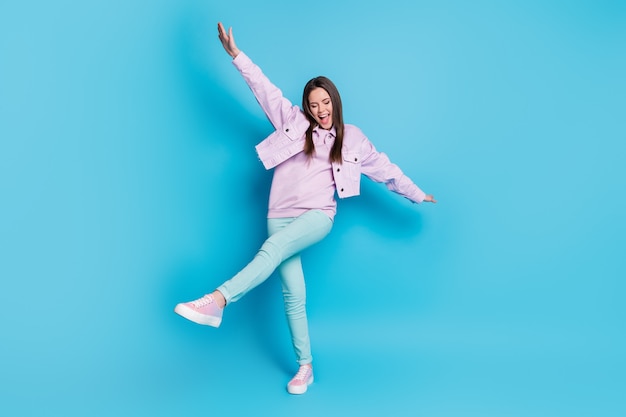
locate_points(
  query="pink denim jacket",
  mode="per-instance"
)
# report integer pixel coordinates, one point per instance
(359, 154)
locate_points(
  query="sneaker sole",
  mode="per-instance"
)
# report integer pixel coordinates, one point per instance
(196, 317)
(299, 389)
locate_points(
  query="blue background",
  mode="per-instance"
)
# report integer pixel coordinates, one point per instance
(129, 183)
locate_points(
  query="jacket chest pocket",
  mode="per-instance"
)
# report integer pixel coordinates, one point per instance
(291, 131)
(284, 136)
(352, 164)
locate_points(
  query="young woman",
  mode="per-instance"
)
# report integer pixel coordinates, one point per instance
(314, 156)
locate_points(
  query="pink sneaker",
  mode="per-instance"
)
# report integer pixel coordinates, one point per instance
(202, 311)
(302, 380)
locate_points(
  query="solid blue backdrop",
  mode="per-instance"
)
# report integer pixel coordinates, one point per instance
(129, 183)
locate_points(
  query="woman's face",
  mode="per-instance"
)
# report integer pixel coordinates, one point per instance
(321, 107)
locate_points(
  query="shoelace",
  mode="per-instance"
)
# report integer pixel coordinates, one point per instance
(302, 374)
(200, 302)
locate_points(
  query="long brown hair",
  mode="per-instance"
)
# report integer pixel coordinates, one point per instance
(335, 98)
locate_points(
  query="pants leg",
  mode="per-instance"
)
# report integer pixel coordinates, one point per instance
(294, 295)
(300, 233)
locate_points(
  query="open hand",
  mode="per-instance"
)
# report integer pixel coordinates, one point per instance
(228, 40)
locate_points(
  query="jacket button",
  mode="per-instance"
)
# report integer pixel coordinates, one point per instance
(338, 169)
(356, 159)
(342, 190)
(286, 130)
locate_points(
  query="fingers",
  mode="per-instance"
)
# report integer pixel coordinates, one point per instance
(221, 32)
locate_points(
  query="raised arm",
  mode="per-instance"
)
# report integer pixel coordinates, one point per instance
(277, 108)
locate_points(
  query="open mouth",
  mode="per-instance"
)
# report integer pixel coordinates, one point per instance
(324, 119)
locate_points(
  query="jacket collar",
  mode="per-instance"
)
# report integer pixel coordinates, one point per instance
(317, 129)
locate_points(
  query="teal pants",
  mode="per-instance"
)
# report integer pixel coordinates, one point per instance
(287, 238)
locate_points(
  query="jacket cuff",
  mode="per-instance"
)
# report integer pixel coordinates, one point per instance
(241, 61)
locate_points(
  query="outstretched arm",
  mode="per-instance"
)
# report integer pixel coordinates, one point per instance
(228, 40)
(377, 166)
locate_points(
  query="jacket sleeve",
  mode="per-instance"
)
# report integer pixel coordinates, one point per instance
(377, 166)
(278, 109)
